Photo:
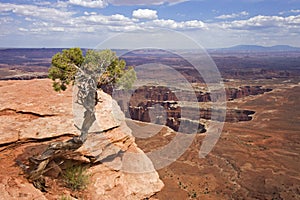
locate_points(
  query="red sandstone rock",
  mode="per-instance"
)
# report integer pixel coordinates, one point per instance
(32, 110)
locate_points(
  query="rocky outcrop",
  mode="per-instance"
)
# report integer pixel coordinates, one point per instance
(160, 105)
(161, 93)
(244, 91)
(173, 117)
(126, 172)
(163, 113)
(255, 73)
(30, 111)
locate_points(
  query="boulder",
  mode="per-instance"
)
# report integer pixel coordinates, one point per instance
(125, 171)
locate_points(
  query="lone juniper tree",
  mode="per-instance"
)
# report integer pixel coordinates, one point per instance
(88, 73)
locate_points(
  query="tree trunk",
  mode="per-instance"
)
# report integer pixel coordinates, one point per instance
(86, 97)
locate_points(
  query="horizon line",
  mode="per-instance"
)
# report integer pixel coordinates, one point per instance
(211, 48)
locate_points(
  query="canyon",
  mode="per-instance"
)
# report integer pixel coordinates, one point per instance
(164, 102)
(249, 159)
(255, 157)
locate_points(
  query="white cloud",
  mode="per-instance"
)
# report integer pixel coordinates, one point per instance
(60, 4)
(35, 11)
(47, 24)
(133, 27)
(45, 20)
(42, 3)
(233, 15)
(118, 17)
(105, 3)
(290, 11)
(145, 2)
(56, 29)
(6, 7)
(295, 11)
(169, 23)
(263, 22)
(23, 29)
(100, 23)
(96, 20)
(90, 3)
(6, 20)
(144, 14)
(89, 13)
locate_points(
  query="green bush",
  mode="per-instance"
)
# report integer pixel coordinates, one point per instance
(76, 177)
(66, 198)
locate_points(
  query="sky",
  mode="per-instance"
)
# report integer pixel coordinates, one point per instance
(87, 23)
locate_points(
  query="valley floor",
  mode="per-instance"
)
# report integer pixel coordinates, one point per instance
(257, 159)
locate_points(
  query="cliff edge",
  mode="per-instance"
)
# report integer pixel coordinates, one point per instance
(32, 115)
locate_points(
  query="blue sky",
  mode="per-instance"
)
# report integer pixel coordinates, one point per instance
(86, 23)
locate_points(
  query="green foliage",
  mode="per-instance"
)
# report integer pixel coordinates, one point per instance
(64, 67)
(98, 61)
(109, 68)
(66, 198)
(105, 65)
(127, 79)
(76, 177)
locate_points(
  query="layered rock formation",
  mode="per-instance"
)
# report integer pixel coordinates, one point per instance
(244, 91)
(161, 93)
(161, 105)
(31, 111)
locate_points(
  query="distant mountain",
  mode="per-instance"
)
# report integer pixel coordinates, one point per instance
(257, 48)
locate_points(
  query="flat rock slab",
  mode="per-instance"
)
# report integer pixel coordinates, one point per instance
(31, 109)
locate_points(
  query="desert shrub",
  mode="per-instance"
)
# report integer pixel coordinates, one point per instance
(65, 197)
(76, 177)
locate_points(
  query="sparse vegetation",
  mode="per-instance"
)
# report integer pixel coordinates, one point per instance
(193, 194)
(206, 191)
(76, 177)
(65, 197)
(181, 185)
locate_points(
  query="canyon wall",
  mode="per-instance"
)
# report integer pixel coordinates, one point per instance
(158, 104)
